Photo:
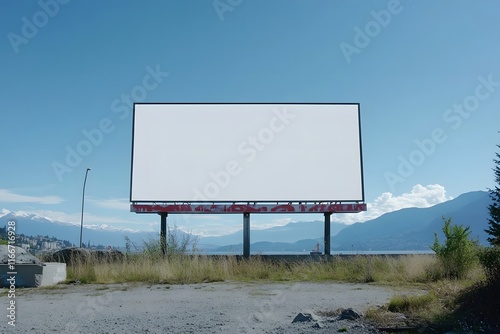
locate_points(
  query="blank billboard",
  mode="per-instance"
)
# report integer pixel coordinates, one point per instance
(246, 153)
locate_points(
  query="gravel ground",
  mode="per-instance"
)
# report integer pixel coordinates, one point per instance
(225, 307)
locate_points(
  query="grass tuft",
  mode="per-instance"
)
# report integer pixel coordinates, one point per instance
(410, 303)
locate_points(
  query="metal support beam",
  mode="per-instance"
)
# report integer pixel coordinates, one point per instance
(327, 232)
(163, 233)
(246, 235)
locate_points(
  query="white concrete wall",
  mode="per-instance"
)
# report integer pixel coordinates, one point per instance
(53, 273)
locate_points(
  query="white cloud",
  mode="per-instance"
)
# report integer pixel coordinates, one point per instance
(112, 203)
(8, 196)
(419, 197)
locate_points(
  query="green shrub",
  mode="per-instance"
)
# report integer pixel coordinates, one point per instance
(405, 303)
(458, 254)
(489, 257)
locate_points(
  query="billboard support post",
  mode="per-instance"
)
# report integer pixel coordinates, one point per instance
(327, 233)
(163, 232)
(246, 235)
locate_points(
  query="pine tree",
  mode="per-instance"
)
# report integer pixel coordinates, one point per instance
(494, 208)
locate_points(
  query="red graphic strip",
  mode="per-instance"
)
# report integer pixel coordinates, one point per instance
(247, 208)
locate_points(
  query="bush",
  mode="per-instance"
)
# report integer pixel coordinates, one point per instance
(489, 258)
(178, 243)
(410, 303)
(458, 254)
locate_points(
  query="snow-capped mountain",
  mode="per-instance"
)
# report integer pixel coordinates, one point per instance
(34, 224)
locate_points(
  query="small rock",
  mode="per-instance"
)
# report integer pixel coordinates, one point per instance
(349, 314)
(306, 317)
(302, 317)
(318, 325)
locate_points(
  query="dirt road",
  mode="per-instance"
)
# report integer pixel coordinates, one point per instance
(225, 307)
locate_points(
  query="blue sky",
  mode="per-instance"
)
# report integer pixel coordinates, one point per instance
(426, 73)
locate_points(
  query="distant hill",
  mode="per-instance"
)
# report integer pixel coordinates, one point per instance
(413, 228)
(288, 233)
(31, 224)
(405, 229)
(305, 246)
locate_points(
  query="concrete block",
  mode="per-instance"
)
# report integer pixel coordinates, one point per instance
(34, 275)
(53, 273)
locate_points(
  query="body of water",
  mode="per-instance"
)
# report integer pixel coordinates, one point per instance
(391, 252)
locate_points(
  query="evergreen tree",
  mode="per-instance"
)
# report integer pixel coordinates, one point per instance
(494, 209)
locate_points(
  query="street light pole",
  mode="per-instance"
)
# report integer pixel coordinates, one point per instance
(83, 203)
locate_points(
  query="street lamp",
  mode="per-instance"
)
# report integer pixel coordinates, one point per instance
(83, 202)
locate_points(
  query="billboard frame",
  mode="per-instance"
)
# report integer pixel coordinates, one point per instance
(359, 197)
(327, 208)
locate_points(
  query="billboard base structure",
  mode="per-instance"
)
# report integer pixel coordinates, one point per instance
(164, 209)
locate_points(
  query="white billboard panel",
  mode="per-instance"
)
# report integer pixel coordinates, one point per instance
(246, 153)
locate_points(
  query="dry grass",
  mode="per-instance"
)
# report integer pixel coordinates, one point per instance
(403, 270)
(434, 306)
(178, 269)
(435, 301)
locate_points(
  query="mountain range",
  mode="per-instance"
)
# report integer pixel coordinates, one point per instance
(414, 228)
(405, 229)
(33, 225)
(401, 230)
(289, 233)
